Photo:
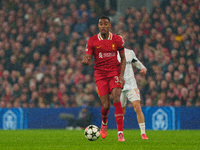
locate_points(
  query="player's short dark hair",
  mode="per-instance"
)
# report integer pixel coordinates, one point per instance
(105, 17)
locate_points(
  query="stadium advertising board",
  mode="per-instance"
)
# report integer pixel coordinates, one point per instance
(12, 119)
(156, 118)
(161, 118)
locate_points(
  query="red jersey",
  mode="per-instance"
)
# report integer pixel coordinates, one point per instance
(105, 54)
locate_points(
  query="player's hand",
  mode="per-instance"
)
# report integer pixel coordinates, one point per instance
(86, 61)
(143, 71)
(121, 79)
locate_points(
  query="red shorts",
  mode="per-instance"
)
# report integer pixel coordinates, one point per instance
(105, 85)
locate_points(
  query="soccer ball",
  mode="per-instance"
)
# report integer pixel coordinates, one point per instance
(92, 132)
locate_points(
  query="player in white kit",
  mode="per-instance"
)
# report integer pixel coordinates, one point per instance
(130, 90)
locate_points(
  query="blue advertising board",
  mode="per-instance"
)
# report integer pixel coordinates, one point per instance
(12, 119)
(156, 118)
(162, 118)
(48, 118)
(189, 117)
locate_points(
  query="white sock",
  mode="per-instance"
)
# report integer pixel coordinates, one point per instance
(142, 128)
(120, 132)
(105, 124)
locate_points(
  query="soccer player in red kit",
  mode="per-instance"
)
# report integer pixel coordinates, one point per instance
(109, 73)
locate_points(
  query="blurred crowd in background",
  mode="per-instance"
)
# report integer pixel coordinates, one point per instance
(42, 44)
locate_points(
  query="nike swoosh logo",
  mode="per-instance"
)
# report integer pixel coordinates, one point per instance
(98, 46)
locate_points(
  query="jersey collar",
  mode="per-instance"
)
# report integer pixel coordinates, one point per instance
(109, 37)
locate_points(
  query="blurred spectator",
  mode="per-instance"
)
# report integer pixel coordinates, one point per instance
(148, 102)
(94, 8)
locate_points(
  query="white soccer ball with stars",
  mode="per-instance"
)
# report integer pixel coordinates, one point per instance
(92, 132)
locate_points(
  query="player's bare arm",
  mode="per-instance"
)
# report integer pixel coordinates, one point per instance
(123, 66)
(86, 60)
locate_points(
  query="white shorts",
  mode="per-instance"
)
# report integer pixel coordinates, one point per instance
(131, 95)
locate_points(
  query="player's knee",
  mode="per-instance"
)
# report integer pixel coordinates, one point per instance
(116, 100)
(137, 108)
(106, 106)
(116, 97)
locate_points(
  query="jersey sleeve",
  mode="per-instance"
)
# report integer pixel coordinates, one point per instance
(136, 62)
(120, 44)
(134, 58)
(89, 47)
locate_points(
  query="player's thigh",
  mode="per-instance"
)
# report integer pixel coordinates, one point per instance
(102, 87)
(133, 95)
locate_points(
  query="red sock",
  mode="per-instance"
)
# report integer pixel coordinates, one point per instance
(119, 115)
(104, 115)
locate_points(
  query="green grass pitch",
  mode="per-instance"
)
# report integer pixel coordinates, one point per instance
(75, 140)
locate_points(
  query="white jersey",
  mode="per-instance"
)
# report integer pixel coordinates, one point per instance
(129, 77)
(130, 90)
